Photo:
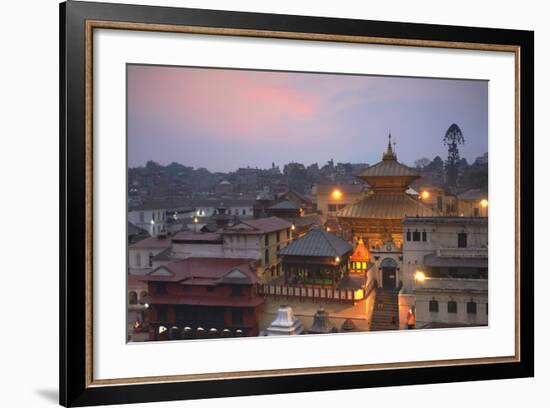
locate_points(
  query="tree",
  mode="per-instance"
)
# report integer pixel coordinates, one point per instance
(422, 162)
(453, 138)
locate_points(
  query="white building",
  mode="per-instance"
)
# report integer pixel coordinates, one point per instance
(445, 271)
(151, 220)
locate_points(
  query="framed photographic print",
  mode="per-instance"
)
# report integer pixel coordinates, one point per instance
(256, 203)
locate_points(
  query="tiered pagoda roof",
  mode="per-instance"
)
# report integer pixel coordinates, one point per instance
(387, 199)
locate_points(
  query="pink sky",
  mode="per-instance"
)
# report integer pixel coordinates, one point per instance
(182, 114)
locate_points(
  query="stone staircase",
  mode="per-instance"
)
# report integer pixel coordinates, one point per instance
(386, 310)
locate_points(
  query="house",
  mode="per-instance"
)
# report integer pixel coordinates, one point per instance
(473, 203)
(445, 265)
(317, 258)
(208, 294)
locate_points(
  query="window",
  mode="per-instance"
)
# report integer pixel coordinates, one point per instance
(471, 307)
(151, 256)
(451, 307)
(153, 216)
(244, 211)
(138, 259)
(266, 239)
(408, 235)
(266, 256)
(416, 236)
(132, 298)
(434, 306)
(237, 316)
(332, 208)
(278, 236)
(229, 211)
(424, 236)
(462, 240)
(476, 212)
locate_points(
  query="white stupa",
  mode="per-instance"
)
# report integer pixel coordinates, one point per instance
(285, 323)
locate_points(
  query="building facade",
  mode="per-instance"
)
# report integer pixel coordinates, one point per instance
(212, 295)
(445, 264)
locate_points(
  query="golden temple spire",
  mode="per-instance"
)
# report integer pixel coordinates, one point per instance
(389, 154)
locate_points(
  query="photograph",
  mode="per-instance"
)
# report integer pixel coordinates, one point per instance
(279, 203)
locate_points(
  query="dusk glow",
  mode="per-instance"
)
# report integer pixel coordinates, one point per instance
(226, 119)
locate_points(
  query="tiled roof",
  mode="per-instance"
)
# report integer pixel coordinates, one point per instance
(317, 243)
(202, 270)
(285, 205)
(386, 205)
(163, 255)
(389, 168)
(152, 243)
(267, 225)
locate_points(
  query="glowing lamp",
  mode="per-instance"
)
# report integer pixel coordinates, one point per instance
(337, 259)
(425, 195)
(196, 220)
(484, 203)
(328, 229)
(419, 276)
(336, 194)
(293, 227)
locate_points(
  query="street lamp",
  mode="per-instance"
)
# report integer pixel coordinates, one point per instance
(419, 276)
(484, 203)
(337, 194)
(425, 195)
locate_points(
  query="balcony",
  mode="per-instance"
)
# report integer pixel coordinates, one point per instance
(462, 252)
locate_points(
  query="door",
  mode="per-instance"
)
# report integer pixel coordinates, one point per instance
(388, 278)
(389, 273)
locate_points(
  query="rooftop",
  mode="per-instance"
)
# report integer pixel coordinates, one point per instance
(205, 271)
(317, 243)
(152, 243)
(386, 205)
(259, 226)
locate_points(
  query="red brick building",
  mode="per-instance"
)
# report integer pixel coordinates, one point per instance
(207, 293)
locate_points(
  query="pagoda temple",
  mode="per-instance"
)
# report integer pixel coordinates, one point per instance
(377, 217)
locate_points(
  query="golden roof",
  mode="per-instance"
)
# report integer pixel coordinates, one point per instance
(389, 173)
(386, 205)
